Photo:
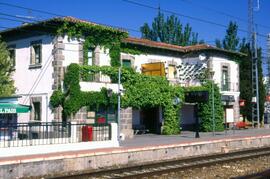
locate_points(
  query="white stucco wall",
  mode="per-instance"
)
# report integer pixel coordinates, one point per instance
(71, 51)
(36, 82)
(104, 57)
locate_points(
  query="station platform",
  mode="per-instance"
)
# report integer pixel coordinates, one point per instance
(142, 149)
(189, 137)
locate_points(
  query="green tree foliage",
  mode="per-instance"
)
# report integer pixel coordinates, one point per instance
(6, 83)
(245, 82)
(169, 30)
(231, 40)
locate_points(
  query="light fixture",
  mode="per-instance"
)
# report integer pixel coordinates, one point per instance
(202, 56)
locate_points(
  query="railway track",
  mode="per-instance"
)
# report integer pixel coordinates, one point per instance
(172, 165)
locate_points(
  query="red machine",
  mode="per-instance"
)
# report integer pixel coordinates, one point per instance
(87, 133)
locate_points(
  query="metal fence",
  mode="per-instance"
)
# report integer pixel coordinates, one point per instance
(233, 87)
(42, 133)
(96, 77)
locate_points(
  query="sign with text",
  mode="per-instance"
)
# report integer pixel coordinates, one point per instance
(7, 110)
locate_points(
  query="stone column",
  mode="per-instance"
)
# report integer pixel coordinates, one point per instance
(58, 70)
(126, 123)
(81, 60)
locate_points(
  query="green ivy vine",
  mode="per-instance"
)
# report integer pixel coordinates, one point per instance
(72, 99)
(205, 109)
(141, 91)
(95, 35)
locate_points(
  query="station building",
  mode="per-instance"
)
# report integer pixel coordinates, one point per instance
(41, 58)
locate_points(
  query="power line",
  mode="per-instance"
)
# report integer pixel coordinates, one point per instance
(185, 16)
(54, 14)
(52, 25)
(223, 13)
(31, 9)
(14, 20)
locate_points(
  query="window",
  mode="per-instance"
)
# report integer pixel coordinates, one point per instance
(153, 69)
(90, 56)
(126, 63)
(36, 56)
(36, 108)
(225, 79)
(171, 72)
(12, 56)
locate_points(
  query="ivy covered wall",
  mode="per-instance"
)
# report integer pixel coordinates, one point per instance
(141, 91)
(205, 110)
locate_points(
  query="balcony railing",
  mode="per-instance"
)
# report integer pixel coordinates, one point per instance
(232, 87)
(95, 77)
(42, 133)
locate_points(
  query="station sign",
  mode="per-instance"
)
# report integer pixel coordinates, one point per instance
(7, 110)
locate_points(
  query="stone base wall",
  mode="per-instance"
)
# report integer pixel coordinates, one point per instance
(126, 123)
(236, 110)
(64, 165)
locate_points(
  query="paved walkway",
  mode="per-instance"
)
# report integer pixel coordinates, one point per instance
(188, 136)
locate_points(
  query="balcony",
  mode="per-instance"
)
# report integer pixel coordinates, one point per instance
(96, 77)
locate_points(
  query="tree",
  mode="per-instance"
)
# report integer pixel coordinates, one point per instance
(6, 83)
(231, 40)
(169, 30)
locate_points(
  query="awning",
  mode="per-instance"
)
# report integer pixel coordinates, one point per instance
(10, 108)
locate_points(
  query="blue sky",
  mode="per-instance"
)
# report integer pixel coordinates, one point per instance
(126, 15)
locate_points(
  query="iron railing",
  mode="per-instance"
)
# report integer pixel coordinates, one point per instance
(44, 133)
(229, 86)
(96, 77)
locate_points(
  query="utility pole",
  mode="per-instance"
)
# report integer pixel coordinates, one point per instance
(119, 101)
(253, 47)
(268, 63)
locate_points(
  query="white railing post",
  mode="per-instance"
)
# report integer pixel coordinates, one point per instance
(114, 133)
(73, 131)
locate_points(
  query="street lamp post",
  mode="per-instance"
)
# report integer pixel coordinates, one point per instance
(213, 102)
(119, 101)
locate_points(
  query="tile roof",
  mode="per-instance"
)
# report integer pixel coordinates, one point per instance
(183, 49)
(51, 22)
(131, 40)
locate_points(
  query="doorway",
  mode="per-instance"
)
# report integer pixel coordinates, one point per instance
(150, 118)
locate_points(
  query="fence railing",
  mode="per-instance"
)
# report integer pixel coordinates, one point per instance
(44, 133)
(233, 87)
(96, 77)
